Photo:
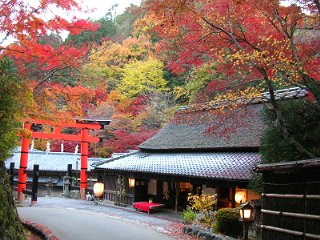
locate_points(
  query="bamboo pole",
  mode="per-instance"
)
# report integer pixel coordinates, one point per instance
(291, 232)
(299, 196)
(274, 195)
(316, 197)
(290, 214)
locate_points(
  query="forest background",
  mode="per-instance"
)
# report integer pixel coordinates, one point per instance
(138, 67)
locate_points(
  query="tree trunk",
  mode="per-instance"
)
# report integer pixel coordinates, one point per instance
(10, 225)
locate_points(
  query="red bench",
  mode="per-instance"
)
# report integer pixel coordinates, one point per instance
(146, 206)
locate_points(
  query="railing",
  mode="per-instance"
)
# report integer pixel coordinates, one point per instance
(113, 197)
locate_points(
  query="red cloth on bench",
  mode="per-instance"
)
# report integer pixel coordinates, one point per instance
(146, 206)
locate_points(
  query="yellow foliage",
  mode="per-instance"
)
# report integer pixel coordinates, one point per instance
(142, 77)
(203, 202)
(204, 205)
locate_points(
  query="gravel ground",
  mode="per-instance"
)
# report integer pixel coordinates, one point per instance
(165, 222)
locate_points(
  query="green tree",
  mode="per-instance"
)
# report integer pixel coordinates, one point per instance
(107, 30)
(10, 90)
(125, 21)
(197, 82)
(303, 121)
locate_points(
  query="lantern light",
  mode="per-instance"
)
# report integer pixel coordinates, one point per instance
(246, 212)
(246, 215)
(240, 197)
(98, 189)
(132, 182)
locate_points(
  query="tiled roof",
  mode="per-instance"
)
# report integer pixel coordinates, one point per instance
(227, 165)
(52, 161)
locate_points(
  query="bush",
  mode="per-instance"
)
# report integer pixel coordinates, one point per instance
(227, 222)
(188, 216)
(204, 205)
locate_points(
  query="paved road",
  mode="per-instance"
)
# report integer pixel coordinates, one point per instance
(71, 224)
(69, 216)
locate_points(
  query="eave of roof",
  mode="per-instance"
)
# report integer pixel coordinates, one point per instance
(219, 166)
(51, 161)
(273, 167)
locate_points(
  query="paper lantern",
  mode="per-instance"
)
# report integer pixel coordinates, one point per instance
(132, 182)
(98, 189)
(240, 197)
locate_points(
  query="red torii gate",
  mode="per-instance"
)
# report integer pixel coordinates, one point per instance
(83, 137)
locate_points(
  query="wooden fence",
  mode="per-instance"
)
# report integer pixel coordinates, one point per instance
(112, 196)
(291, 200)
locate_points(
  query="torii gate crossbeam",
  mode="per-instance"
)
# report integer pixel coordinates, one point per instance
(83, 137)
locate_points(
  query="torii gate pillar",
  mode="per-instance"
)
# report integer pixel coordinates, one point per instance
(84, 163)
(22, 182)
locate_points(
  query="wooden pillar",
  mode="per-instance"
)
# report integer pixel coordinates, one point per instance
(35, 178)
(84, 163)
(11, 173)
(69, 167)
(232, 194)
(22, 177)
(177, 197)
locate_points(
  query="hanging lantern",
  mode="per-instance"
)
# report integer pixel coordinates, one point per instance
(98, 189)
(246, 216)
(240, 197)
(132, 182)
(246, 212)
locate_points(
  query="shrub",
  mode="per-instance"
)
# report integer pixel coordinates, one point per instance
(188, 215)
(227, 222)
(204, 205)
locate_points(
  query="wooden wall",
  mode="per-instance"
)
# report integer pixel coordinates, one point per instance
(291, 204)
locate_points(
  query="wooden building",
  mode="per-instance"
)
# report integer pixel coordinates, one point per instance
(182, 158)
(205, 148)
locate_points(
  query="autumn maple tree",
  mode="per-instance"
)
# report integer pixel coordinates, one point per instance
(256, 45)
(30, 38)
(107, 60)
(38, 65)
(134, 80)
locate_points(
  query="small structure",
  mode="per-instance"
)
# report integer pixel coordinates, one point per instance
(66, 185)
(49, 186)
(52, 166)
(291, 200)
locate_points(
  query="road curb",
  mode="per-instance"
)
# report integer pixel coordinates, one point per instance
(39, 229)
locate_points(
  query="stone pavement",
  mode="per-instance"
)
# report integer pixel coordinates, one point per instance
(165, 221)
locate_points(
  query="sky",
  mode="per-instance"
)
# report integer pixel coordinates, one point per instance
(102, 6)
